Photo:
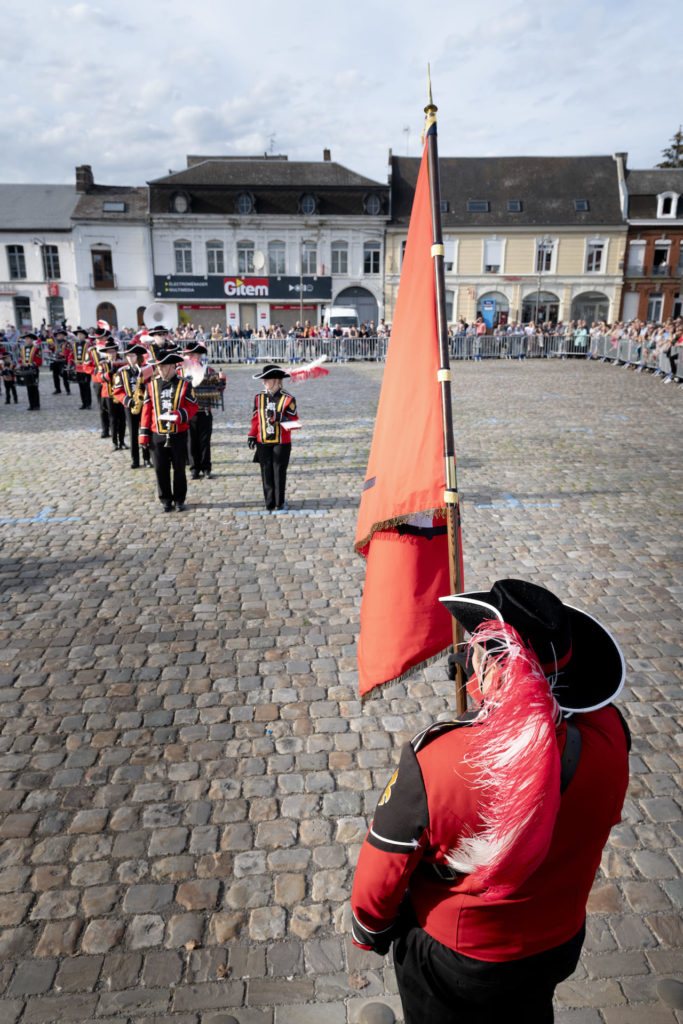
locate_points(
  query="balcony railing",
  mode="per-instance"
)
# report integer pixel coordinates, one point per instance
(661, 270)
(109, 283)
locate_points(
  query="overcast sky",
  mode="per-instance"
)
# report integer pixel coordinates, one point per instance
(133, 86)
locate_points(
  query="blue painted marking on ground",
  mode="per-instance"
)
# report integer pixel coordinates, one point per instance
(289, 512)
(574, 430)
(44, 517)
(511, 502)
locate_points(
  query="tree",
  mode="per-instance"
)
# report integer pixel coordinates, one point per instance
(673, 154)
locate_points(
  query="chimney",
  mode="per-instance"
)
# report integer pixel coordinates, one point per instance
(84, 178)
(327, 155)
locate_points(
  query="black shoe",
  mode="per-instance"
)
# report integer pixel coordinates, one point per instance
(135, 465)
(180, 507)
(122, 446)
(56, 392)
(168, 506)
(209, 476)
(195, 476)
(105, 433)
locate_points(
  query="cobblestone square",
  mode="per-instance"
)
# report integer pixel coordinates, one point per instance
(186, 769)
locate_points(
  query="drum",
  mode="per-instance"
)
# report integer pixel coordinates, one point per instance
(209, 393)
(71, 374)
(26, 375)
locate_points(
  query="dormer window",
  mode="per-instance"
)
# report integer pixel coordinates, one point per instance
(667, 203)
(477, 206)
(308, 204)
(110, 206)
(245, 203)
(514, 205)
(581, 205)
(373, 204)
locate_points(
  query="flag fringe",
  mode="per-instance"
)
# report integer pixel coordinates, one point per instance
(391, 524)
(409, 673)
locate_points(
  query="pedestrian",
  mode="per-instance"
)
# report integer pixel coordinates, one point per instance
(129, 390)
(274, 416)
(485, 843)
(168, 407)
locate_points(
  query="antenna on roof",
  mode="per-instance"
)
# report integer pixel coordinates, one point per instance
(272, 142)
(406, 132)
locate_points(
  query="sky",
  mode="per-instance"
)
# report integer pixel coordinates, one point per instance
(132, 87)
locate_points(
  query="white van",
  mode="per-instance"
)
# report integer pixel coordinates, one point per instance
(341, 316)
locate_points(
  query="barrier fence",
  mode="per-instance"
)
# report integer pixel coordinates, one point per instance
(631, 352)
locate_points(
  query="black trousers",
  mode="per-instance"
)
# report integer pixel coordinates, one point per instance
(199, 441)
(104, 409)
(10, 389)
(84, 389)
(169, 466)
(440, 986)
(117, 420)
(58, 376)
(33, 395)
(273, 459)
(133, 433)
(65, 380)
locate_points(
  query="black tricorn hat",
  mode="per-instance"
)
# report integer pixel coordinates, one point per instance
(158, 329)
(135, 346)
(99, 332)
(195, 348)
(168, 356)
(29, 335)
(271, 371)
(572, 647)
(110, 344)
(80, 330)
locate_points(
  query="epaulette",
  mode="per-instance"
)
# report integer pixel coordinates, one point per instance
(437, 729)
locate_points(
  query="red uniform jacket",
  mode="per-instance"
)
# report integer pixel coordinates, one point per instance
(125, 383)
(433, 798)
(177, 396)
(271, 415)
(31, 354)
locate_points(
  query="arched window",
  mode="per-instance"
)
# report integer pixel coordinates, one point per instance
(340, 257)
(308, 204)
(183, 256)
(309, 258)
(371, 257)
(277, 253)
(141, 316)
(245, 203)
(105, 311)
(215, 257)
(667, 203)
(373, 204)
(245, 257)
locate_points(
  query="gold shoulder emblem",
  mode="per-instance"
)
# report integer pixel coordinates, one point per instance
(387, 792)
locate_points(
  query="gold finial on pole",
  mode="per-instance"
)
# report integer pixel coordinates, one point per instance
(430, 109)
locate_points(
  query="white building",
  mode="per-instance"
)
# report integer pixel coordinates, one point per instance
(37, 267)
(262, 240)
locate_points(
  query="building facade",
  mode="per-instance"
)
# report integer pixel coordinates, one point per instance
(526, 238)
(37, 265)
(654, 261)
(264, 240)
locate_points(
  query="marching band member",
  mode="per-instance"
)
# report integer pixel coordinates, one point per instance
(129, 389)
(274, 415)
(77, 353)
(94, 367)
(9, 378)
(31, 359)
(59, 364)
(117, 417)
(201, 425)
(168, 408)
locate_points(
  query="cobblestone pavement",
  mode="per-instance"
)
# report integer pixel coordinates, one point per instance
(186, 771)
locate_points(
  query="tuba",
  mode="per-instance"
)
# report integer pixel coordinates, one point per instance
(160, 314)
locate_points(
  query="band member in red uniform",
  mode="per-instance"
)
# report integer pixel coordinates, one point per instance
(275, 414)
(29, 362)
(99, 338)
(485, 843)
(59, 366)
(9, 378)
(117, 416)
(168, 408)
(79, 348)
(201, 425)
(129, 389)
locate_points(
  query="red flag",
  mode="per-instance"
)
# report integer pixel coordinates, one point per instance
(401, 527)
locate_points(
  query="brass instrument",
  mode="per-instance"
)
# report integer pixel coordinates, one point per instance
(138, 399)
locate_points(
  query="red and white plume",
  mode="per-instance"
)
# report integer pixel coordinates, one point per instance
(516, 763)
(309, 371)
(104, 325)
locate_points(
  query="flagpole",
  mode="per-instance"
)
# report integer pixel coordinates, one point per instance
(444, 377)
